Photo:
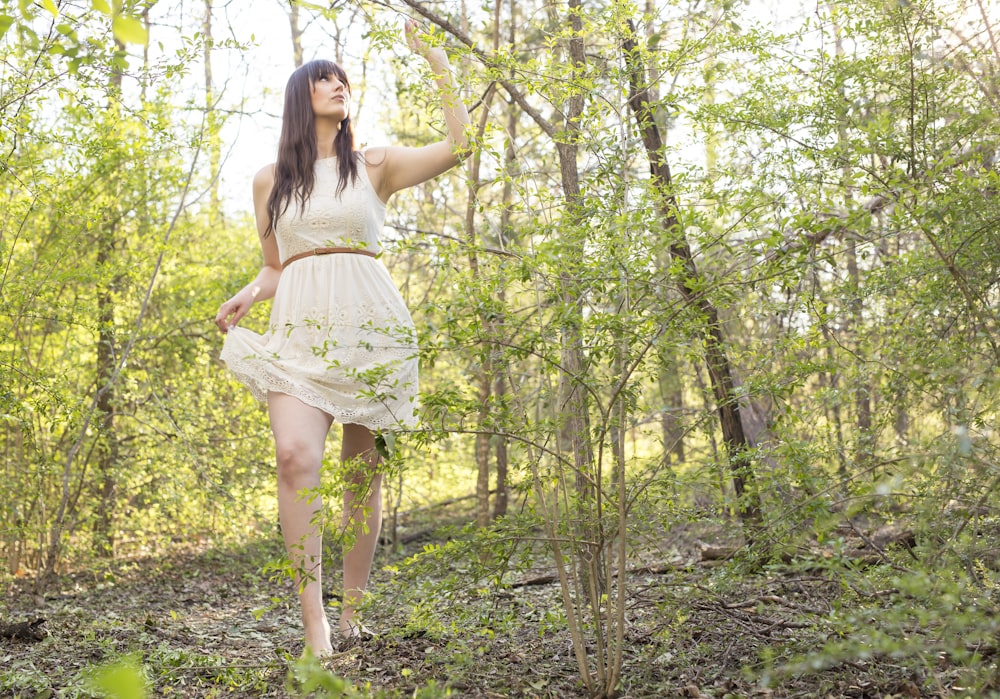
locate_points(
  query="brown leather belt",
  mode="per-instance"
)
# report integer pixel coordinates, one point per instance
(325, 251)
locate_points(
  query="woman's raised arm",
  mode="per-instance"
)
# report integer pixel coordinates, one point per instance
(406, 167)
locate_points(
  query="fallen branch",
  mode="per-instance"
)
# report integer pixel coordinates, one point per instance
(442, 503)
(712, 552)
(643, 570)
(32, 631)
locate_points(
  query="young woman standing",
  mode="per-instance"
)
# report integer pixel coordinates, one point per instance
(340, 345)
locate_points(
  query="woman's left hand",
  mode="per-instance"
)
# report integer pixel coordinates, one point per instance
(433, 54)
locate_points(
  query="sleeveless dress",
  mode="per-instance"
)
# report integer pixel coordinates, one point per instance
(340, 337)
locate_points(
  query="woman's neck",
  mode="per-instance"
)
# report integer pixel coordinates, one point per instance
(326, 132)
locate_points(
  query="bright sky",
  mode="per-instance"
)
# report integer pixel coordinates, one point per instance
(253, 80)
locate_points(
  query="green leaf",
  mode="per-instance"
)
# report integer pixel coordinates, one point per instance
(101, 6)
(385, 444)
(129, 30)
(123, 680)
(5, 22)
(51, 7)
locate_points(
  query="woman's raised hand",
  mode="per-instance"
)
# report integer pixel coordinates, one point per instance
(435, 55)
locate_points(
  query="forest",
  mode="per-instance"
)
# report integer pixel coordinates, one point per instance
(709, 327)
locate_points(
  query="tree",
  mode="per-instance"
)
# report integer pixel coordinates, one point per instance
(97, 184)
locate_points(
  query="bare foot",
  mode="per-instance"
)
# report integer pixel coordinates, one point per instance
(348, 627)
(318, 638)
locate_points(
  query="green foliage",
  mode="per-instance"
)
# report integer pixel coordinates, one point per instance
(103, 299)
(919, 620)
(835, 179)
(120, 680)
(308, 677)
(839, 215)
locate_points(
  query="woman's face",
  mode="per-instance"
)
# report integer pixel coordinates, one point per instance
(331, 98)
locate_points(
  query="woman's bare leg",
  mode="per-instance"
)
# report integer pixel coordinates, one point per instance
(300, 435)
(362, 518)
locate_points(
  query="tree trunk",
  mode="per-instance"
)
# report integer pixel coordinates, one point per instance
(106, 452)
(485, 375)
(211, 119)
(293, 21)
(862, 384)
(719, 369)
(672, 404)
(500, 385)
(487, 366)
(107, 442)
(573, 403)
(500, 503)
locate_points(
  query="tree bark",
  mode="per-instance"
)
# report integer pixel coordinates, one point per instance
(211, 119)
(716, 359)
(485, 375)
(107, 452)
(293, 21)
(862, 384)
(672, 400)
(573, 403)
(506, 233)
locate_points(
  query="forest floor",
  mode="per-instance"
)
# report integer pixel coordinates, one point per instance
(218, 623)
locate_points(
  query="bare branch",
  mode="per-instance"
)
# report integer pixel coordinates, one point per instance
(515, 94)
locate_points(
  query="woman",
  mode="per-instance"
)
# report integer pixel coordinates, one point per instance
(340, 345)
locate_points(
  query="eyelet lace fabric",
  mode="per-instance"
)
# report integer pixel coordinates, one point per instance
(340, 337)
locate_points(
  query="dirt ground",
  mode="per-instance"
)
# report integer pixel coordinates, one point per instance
(215, 623)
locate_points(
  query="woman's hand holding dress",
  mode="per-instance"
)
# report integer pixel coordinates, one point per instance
(232, 311)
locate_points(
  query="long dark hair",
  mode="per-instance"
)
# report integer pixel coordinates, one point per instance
(294, 169)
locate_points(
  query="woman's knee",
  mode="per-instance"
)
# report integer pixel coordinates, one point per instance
(297, 460)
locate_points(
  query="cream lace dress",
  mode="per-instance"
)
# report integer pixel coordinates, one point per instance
(340, 337)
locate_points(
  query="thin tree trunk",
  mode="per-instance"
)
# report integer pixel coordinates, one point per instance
(671, 388)
(293, 21)
(211, 119)
(107, 447)
(574, 403)
(862, 384)
(485, 375)
(487, 372)
(506, 233)
(672, 404)
(833, 383)
(502, 460)
(106, 452)
(572, 398)
(716, 359)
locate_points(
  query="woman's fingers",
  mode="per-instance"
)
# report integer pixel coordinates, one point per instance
(412, 31)
(221, 317)
(228, 315)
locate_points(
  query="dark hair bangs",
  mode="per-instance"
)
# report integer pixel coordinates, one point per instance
(322, 68)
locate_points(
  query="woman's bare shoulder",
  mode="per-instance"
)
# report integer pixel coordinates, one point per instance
(264, 176)
(374, 155)
(263, 179)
